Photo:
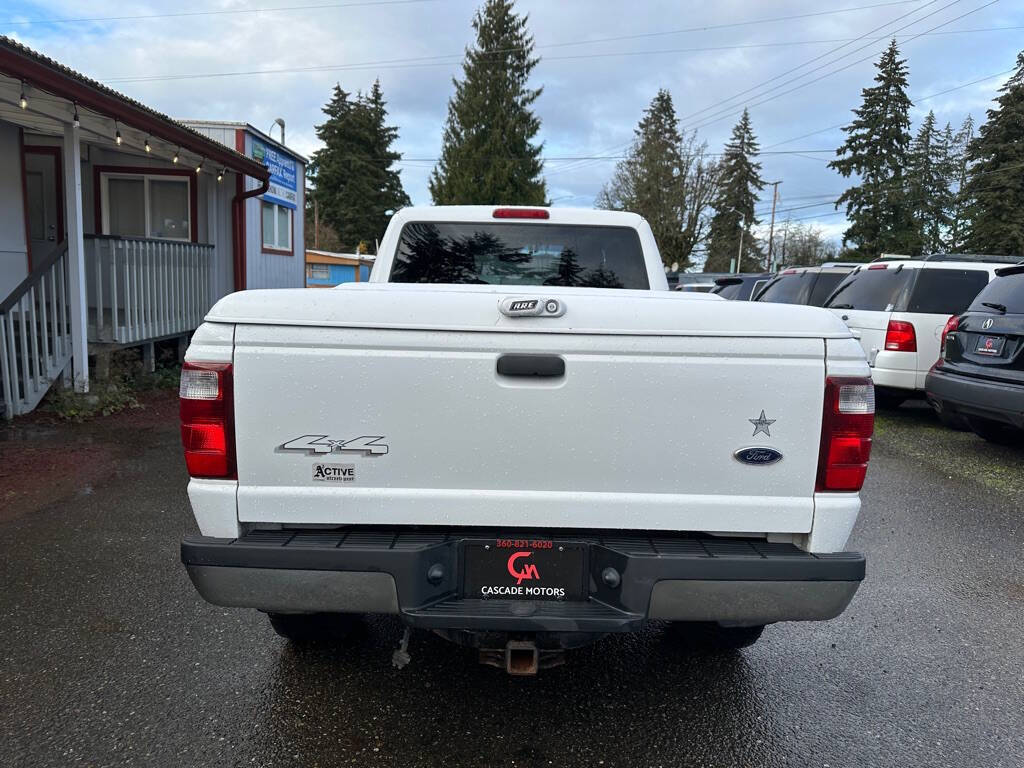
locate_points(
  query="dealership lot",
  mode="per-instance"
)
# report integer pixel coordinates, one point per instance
(110, 658)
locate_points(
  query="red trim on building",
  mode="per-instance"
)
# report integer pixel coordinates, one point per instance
(238, 219)
(193, 191)
(58, 168)
(278, 251)
(26, 65)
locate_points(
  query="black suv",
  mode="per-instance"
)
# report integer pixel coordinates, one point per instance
(804, 285)
(741, 287)
(980, 373)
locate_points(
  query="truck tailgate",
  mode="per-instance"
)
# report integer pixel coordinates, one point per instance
(378, 425)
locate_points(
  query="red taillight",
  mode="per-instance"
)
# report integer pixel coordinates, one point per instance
(879, 266)
(789, 272)
(521, 213)
(847, 422)
(207, 419)
(900, 337)
(951, 325)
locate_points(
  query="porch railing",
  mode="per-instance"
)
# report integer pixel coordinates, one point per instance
(35, 334)
(140, 289)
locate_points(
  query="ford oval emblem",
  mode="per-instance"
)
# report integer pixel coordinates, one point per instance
(757, 455)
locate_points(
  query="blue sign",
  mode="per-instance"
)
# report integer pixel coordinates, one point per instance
(283, 174)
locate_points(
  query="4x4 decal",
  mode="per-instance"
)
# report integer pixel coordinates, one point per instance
(318, 444)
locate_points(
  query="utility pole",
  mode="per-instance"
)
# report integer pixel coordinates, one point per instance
(771, 229)
(316, 223)
(739, 254)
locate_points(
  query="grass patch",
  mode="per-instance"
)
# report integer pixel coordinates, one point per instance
(119, 392)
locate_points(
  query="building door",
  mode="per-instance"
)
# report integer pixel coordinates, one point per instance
(44, 201)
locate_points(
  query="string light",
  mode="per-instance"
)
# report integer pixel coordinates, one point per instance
(220, 174)
(117, 134)
(175, 158)
(75, 122)
(23, 102)
(147, 147)
(200, 166)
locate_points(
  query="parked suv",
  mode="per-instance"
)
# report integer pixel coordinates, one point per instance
(741, 287)
(980, 374)
(899, 306)
(805, 285)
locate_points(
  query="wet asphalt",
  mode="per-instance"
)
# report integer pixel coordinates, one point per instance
(110, 658)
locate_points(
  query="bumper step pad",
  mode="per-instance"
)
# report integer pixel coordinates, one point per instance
(423, 564)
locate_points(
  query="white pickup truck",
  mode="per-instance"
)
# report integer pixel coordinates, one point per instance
(516, 436)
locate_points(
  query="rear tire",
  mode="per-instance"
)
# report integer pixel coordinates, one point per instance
(306, 628)
(996, 432)
(710, 636)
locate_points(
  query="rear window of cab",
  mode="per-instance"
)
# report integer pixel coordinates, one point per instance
(894, 289)
(569, 255)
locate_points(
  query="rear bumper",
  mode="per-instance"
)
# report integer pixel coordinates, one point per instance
(976, 397)
(415, 573)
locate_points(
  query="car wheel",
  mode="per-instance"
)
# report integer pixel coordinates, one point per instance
(996, 432)
(304, 628)
(714, 637)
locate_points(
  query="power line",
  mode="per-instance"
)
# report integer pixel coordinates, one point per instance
(729, 111)
(800, 66)
(816, 58)
(225, 12)
(915, 101)
(329, 6)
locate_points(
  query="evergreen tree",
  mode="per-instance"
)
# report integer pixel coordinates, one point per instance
(738, 187)
(488, 156)
(928, 178)
(666, 178)
(879, 207)
(353, 182)
(995, 192)
(956, 239)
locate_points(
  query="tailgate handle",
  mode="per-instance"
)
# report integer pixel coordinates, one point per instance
(531, 365)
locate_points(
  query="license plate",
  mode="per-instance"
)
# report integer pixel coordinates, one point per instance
(523, 569)
(990, 345)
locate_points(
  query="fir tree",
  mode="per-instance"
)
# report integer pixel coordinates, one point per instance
(738, 187)
(667, 180)
(354, 184)
(488, 156)
(956, 239)
(929, 185)
(877, 141)
(994, 191)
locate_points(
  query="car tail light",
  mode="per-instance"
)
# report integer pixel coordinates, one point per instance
(207, 419)
(521, 213)
(879, 266)
(900, 337)
(847, 422)
(951, 325)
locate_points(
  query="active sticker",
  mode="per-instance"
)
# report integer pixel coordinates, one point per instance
(334, 473)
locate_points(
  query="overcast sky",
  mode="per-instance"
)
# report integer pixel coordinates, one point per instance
(601, 63)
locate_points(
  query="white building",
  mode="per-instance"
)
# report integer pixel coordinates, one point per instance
(120, 226)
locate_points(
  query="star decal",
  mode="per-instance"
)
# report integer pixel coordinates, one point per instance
(761, 424)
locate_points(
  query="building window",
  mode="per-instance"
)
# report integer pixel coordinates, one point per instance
(277, 227)
(137, 205)
(318, 272)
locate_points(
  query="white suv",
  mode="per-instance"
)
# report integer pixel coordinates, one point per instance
(899, 306)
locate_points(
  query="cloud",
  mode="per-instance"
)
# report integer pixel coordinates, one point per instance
(591, 102)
